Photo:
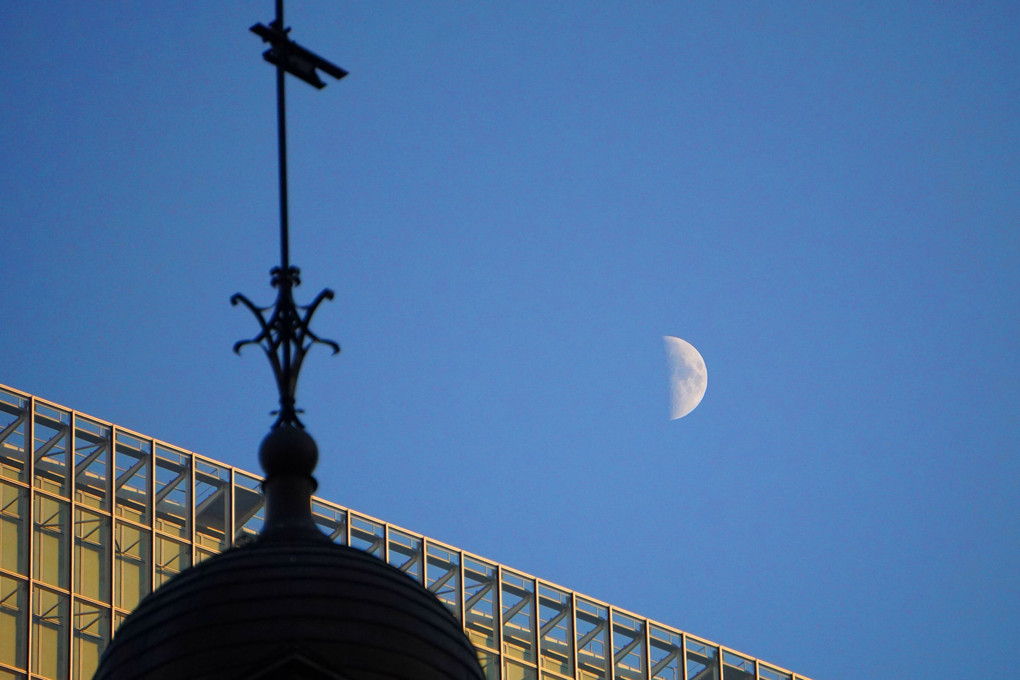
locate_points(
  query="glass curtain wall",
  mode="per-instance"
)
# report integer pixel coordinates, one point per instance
(94, 517)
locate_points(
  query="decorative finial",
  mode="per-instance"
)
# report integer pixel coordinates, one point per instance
(285, 336)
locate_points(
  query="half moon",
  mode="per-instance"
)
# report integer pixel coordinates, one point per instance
(688, 376)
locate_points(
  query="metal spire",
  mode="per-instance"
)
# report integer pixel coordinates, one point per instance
(285, 336)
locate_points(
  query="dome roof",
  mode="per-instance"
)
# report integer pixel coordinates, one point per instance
(291, 604)
(310, 603)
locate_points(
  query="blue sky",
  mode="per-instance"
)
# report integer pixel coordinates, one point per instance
(514, 203)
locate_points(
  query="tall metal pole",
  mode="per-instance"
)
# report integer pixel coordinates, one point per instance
(281, 119)
(286, 282)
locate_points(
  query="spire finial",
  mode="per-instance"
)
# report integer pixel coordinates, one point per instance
(285, 336)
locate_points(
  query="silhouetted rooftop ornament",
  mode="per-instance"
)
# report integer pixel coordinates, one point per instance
(291, 604)
(295, 59)
(285, 336)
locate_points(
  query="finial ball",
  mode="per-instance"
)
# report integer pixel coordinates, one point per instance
(288, 451)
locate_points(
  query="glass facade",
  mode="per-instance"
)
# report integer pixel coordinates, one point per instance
(93, 517)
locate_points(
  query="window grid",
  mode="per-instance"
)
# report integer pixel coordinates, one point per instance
(160, 509)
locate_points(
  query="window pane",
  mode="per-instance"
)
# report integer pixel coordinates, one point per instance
(736, 667)
(92, 555)
(212, 506)
(332, 521)
(702, 660)
(52, 439)
(13, 536)
(556, 630)
(490, 664)
(172, 557)
(249, 511)
(367, 535)
(480, 602)
(201, 554)
(518, 615)
(442, 576)
(91, 635)
(91, 463)
(766, 673)
(173, 487)
(52, 521)
(132, 565)
(628, 647)
(405, 553)
(132, 478)
(13, 621)
(592, 640)
(517, 671)
(13, 431)
(666, 652)
(50, 639)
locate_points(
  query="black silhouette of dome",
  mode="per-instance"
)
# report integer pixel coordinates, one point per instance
(291, 604)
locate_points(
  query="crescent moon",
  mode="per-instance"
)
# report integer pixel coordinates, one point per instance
(688, 376)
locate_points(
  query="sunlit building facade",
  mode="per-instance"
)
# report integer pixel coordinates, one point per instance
(94, 516)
